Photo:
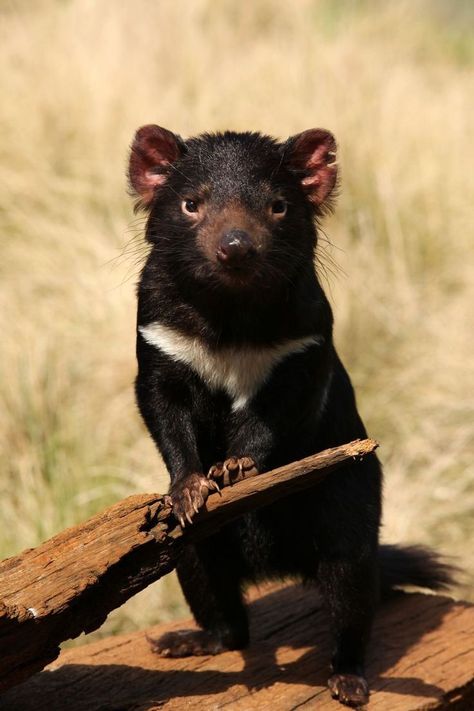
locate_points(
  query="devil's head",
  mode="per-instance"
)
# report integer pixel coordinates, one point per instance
(233, 210)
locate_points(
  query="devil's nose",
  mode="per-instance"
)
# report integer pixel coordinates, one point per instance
(234, 247)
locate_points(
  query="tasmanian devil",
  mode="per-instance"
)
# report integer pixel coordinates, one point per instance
(237, 369)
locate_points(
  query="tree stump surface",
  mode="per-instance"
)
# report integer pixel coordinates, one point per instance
(421, 657)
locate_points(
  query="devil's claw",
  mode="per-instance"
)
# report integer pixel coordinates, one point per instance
(188, 495)
(232, 469)
(349, 689)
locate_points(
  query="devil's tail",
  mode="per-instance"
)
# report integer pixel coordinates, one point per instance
(414, 565)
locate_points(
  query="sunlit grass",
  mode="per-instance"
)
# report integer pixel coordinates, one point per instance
(394, 82)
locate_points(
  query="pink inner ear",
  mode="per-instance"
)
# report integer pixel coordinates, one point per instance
(154, 179)
(314, 152)
(153, 150)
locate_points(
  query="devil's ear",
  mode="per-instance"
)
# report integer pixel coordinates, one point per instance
(153, 150)
(312, 156)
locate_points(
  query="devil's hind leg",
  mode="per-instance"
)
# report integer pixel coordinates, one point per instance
(348, 572)
(349, 587)
(210, 577)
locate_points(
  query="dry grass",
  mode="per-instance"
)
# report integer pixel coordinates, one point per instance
(393, 80)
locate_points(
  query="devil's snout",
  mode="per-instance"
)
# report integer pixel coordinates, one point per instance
(235, 247)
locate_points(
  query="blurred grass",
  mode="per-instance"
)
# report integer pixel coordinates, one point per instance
(393, 80)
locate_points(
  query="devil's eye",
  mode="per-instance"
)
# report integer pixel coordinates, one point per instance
(278, 207)
(190, 206)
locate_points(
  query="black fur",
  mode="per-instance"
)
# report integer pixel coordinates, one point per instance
(414, 565)
(329, 534)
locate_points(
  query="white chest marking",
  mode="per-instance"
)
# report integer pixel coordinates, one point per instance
(240, 371)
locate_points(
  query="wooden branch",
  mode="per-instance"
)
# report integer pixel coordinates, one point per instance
(69, 584)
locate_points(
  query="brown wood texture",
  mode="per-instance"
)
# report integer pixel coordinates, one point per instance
(71, 583)
(421, 657)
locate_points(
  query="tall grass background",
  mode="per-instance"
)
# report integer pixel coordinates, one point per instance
(392, 80)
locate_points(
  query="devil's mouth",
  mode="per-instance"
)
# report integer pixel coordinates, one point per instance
(243, 274)
(247, 265)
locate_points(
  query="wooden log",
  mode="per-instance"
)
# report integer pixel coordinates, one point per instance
(69, 584)
(421, 657)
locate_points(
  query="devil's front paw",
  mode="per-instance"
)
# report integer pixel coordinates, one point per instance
(232, 470)
(349, 689)
(189, 494)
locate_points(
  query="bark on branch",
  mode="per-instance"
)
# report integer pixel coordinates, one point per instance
(69, 584)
